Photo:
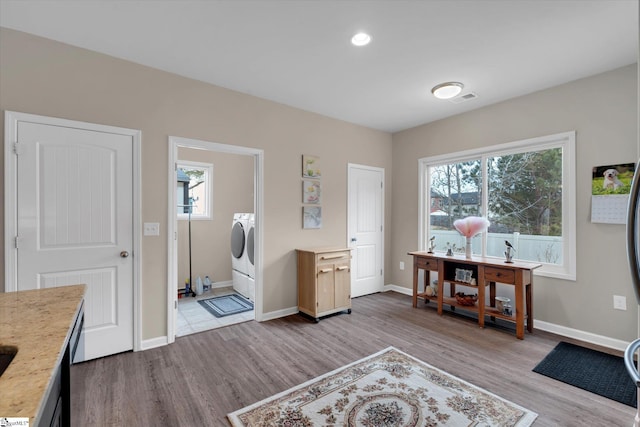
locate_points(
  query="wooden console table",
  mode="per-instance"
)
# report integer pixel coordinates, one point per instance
(486, 271)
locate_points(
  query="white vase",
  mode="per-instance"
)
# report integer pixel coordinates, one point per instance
(467, 250)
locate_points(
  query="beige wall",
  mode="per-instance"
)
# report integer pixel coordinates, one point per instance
(40, 76)
(603, 112)
(44, 77)
(233, 176)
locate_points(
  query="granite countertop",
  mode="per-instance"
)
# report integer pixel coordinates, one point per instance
(38, 323)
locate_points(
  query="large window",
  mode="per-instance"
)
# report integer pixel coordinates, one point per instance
(527, 191)
(194, 189)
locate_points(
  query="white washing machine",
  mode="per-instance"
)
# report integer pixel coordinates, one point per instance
(239, 256)
(239, 229)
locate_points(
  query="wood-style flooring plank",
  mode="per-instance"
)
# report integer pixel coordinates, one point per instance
(200, 378)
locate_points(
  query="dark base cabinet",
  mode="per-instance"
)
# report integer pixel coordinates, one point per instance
(57, 405)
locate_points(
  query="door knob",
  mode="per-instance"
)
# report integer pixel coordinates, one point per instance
(353, 239)
(124, 254)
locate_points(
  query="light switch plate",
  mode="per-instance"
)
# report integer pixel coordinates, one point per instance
(619, 302)
(151, 228)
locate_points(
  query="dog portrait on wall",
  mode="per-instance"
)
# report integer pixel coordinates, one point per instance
(612, 179)
(610, 188)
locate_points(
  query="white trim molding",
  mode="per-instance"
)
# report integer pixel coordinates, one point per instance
(280, 313)
(172, 273)
(566, 141)
(11, 119)
(154, 342)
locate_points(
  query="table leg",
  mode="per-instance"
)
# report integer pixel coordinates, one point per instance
(492, 297)
(440, 290)
(415, 282)
(519, 310)
(481, 297)
(529, 309)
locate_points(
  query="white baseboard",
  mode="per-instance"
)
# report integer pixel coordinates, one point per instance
(399, 289)
(577, 334)
(225, 284)
(154, 342)
(564, 331)
(278, 313)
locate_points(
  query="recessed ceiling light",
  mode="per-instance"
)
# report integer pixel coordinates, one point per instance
(361, 39)
(447, 90)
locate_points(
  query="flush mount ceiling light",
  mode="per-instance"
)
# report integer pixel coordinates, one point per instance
(361, 39)
(447, 90)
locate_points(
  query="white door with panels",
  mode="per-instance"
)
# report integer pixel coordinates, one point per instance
(74, 215)
(365, 228)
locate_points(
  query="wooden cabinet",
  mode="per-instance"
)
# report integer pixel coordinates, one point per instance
(486, 272)
(324, 281)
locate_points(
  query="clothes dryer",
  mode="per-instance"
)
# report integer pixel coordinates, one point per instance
(250, 249)
(239, 228)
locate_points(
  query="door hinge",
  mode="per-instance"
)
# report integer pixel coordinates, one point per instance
(381, 272)
(175, 305)
(18, 148)
(16, 242)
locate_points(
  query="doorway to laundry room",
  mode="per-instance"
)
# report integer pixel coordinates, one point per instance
(215, 250)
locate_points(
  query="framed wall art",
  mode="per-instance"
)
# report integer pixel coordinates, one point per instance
(311, 192)
(311, 167)
(311, 217)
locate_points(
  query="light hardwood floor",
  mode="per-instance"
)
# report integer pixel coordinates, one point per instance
(204, 376)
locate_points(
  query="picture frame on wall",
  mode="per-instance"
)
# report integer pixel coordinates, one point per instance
(311, 217)
(311, 166)
(311, 192)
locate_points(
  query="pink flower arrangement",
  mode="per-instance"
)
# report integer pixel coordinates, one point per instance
(471, 225)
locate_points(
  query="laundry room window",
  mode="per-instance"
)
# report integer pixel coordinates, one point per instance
(194, 189)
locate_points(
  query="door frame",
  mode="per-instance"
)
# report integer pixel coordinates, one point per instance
(172, 221)
(350, 231)
(11, 120)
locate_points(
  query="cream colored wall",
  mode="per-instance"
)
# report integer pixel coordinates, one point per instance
(40, 76)
(233, 176)
(44, 77)
(603, 111)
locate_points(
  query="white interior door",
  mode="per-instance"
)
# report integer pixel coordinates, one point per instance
(365, 227)
(75, 224)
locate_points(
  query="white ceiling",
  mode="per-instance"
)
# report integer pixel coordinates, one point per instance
(298, 52)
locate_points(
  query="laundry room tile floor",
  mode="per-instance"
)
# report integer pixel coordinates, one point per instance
(192, 317)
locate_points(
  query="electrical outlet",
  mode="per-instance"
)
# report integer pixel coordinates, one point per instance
(401, 265)
(151, 228)
(619, 302)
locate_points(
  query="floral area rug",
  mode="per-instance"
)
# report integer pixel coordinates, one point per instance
(389, 388)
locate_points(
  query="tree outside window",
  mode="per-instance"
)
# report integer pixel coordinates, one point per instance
(524, 200)
(194, 189)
